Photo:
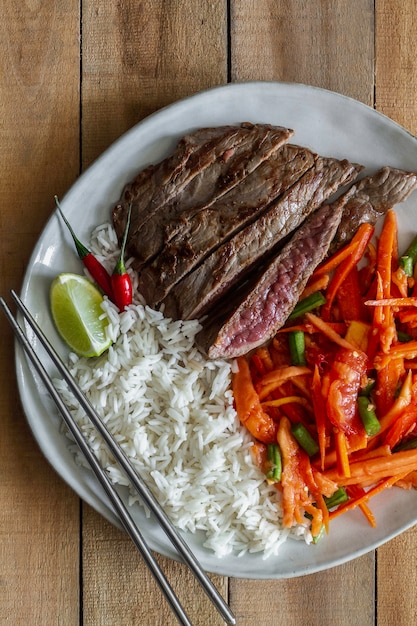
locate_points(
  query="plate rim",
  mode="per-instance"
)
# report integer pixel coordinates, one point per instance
(20, 359)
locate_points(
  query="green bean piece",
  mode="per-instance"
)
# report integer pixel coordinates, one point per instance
(409, 258)
(370, 386)
(368, 416)
(339, 497)
(296, 343)
(274, 457)
(406, 262)
(306, 441)
(312, 301)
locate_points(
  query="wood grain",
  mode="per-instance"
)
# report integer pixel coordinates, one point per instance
(73, 77)
(328, 44)
(132, 596)
(141, 56)
(39, 515)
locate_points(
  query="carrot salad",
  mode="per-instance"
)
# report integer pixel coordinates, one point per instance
(331, 401)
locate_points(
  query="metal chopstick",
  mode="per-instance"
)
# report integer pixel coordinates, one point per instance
(136, 480)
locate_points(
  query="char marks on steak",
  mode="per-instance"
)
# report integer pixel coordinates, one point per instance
(370, 198)
(200, 290)
(201, 231)
(205, 166)
(265, 309)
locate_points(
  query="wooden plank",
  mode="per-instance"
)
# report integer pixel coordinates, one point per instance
(138, 57)
(329, 45)
(396, 68)
(396, 85)
(118, 589)
(322, 599)
(141, 56)
(39, 514)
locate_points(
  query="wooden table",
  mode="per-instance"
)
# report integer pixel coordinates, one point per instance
(74, 76)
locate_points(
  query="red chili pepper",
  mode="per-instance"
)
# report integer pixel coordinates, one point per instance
(98, 272)
(120, 279)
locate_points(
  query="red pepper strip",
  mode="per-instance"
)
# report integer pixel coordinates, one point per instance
(362, 236)
(387, 382)
(404, 399)
(405, 421)
(320, 413)
(385, 255)
(349, 297)
(97, 271)
(120, 279)
(345, 379)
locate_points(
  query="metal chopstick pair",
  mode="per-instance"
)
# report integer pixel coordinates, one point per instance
(136, 480)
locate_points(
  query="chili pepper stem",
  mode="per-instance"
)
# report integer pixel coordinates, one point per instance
(96, 270)
(81, 249)
(120, 279)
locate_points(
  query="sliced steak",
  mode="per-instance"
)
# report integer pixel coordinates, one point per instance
(370, 198)
(265, 309)
(199, 172)
(202, 288)
(201, 231)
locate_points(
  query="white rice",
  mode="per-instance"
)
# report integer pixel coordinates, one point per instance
(172, 411)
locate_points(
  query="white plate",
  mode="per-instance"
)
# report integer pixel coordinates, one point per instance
(330, 124)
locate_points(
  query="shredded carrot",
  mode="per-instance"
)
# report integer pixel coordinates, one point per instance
(376, 468)
(331, 264)
(286, 400)
(342, 454)
(356, 492)
(356, 397)
(351, 504)
(277, 377)
(362, 238)
(328, 331)
(395, 302)
(318, 284)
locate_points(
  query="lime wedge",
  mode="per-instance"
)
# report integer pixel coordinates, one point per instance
(78, 316)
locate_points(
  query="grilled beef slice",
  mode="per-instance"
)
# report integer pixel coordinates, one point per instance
(265, 309)
(202, 230)
(370, 198)
(201, 289)
(192, 177)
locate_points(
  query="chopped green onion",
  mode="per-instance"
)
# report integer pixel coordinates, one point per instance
(409, 258)
(368, 416)
(306, 441)
(297, 347)
(337, 498)
(274, 457)
(312, 301)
